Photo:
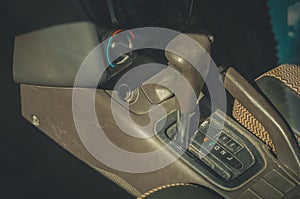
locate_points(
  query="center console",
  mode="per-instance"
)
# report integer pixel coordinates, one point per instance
(223, 155)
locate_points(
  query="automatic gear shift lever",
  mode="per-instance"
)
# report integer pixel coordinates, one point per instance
(186, 109)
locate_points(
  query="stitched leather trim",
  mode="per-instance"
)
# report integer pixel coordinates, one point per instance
(162, 187)
(241, 114)
(288, 74)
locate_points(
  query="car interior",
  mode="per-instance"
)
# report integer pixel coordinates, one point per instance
(154, 99)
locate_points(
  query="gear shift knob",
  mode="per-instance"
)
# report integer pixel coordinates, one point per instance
(190, 52)
(181, 64)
